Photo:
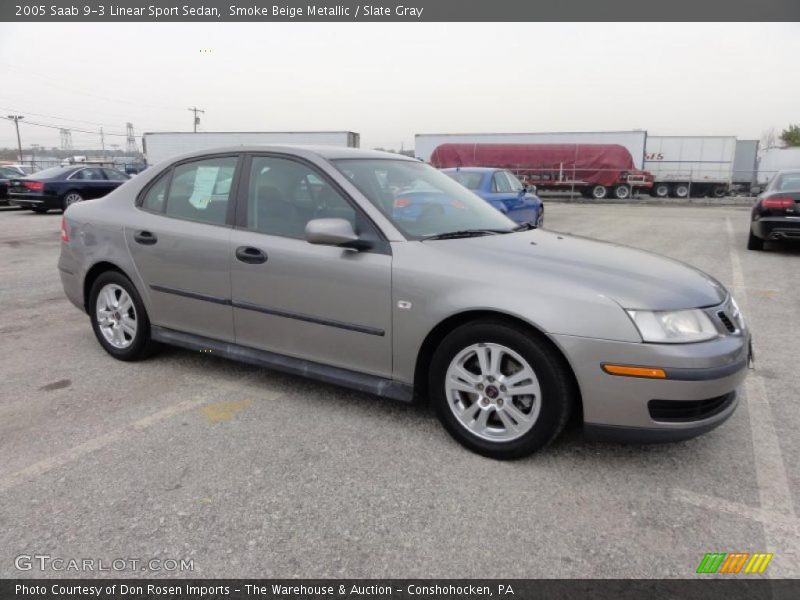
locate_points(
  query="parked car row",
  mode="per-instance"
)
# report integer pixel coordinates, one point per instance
(58, 187)
(377, 272)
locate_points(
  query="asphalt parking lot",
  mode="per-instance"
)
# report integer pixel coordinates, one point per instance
(253, 473)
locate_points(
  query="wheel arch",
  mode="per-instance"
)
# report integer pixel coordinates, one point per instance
(443, 328)
(93, 273)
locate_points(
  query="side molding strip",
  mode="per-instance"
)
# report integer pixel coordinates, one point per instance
(362, 382)
(271, 311)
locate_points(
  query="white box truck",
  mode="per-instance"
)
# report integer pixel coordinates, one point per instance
(686, 166)
(777, 159)
(634, 141)
(159, 146)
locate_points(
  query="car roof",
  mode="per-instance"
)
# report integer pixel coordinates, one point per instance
(326, 152)
(473, 169)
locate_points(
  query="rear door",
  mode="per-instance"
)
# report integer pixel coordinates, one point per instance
(321, 303)
(89, 182)
(180, 242)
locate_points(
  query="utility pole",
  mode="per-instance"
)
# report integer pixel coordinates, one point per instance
(16, 119)
(102, 142)
(196, 110)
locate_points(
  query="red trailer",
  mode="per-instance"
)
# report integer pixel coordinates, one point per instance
(595, 170)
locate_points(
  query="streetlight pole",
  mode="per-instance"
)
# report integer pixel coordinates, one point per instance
(16, 119)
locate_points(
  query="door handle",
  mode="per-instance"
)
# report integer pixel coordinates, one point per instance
(145, 237)
(250, 255)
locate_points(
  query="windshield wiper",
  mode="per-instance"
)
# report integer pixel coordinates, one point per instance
(464, 233)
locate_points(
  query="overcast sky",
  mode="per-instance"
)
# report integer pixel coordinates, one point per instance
(389, 81)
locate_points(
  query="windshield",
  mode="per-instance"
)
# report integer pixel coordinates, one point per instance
(419, 200)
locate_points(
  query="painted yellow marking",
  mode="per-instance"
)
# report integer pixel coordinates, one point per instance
(224, 411)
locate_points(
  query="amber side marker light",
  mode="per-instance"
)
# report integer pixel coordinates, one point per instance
(626, 371)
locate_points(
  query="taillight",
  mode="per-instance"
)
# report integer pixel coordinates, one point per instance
(402, 202)
(778, 202)
(34, 186)
(64, 234)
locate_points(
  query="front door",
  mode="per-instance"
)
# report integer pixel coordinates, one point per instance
(321, 303)
(180, 243)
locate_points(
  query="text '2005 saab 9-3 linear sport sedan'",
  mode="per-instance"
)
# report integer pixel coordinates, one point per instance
(299, 259)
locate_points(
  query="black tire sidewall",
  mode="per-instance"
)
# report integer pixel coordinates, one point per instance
(556, 398)
(141, 341)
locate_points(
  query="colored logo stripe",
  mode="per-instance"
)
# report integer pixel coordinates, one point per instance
(734, 562)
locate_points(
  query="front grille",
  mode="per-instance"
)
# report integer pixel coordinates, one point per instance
(726, 321)
(677, 411)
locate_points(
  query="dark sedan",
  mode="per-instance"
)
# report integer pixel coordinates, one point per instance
(7, 172)
(776, 214)
(58, 187)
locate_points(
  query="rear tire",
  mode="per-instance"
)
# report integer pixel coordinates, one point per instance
(119, 319)
(599, 192)
(474, 398)
(69, 199)
(719, 192)
(754, 242)
(622, 192)
(680, 190)
(661, 190)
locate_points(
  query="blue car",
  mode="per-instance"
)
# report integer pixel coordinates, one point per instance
(503, 190)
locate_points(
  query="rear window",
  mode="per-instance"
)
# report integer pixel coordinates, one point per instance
(52, 173)
(471, 181)
(789, 182)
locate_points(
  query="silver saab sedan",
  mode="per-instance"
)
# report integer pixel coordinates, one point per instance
(377, 272)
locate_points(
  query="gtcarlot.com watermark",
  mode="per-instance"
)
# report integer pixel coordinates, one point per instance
(58, 564)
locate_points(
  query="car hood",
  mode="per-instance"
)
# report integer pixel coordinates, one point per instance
(633, 278)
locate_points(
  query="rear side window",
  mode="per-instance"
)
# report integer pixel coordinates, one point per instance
(200, 190)
(114, 175)
(157, 195)
(89, 175)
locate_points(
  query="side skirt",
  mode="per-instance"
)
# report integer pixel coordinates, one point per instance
(371, 384)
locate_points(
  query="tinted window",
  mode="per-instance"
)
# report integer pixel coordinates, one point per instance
(470, 180)
(284, 195)
(115, 175)
(501, 183)
(156, 195)
(89, 175)
(199, 190)
(788, 182)
(53, 173)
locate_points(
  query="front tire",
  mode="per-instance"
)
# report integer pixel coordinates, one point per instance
(119, 319)
(754, 242)
(622, 192)
(500, 392)
(661, 190)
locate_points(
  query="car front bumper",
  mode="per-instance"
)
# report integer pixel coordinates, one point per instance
(697, 395)
(777, 228)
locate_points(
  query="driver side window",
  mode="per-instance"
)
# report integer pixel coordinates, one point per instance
(284, 195)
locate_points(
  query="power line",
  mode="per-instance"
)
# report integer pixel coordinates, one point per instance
(57, 117)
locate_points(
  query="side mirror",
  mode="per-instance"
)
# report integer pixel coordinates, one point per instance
(333, 232)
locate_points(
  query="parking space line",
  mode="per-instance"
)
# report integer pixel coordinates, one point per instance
(776, 512)
(48, 464)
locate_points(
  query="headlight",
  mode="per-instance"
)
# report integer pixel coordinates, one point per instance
(673, 327)
(737, 314)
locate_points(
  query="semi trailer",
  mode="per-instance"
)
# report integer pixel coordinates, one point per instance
(593, 170)
(684, 166)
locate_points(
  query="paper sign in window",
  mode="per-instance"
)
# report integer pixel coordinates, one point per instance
(204, 182)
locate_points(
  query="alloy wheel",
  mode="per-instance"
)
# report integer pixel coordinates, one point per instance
(493, 392)
(116, 316)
